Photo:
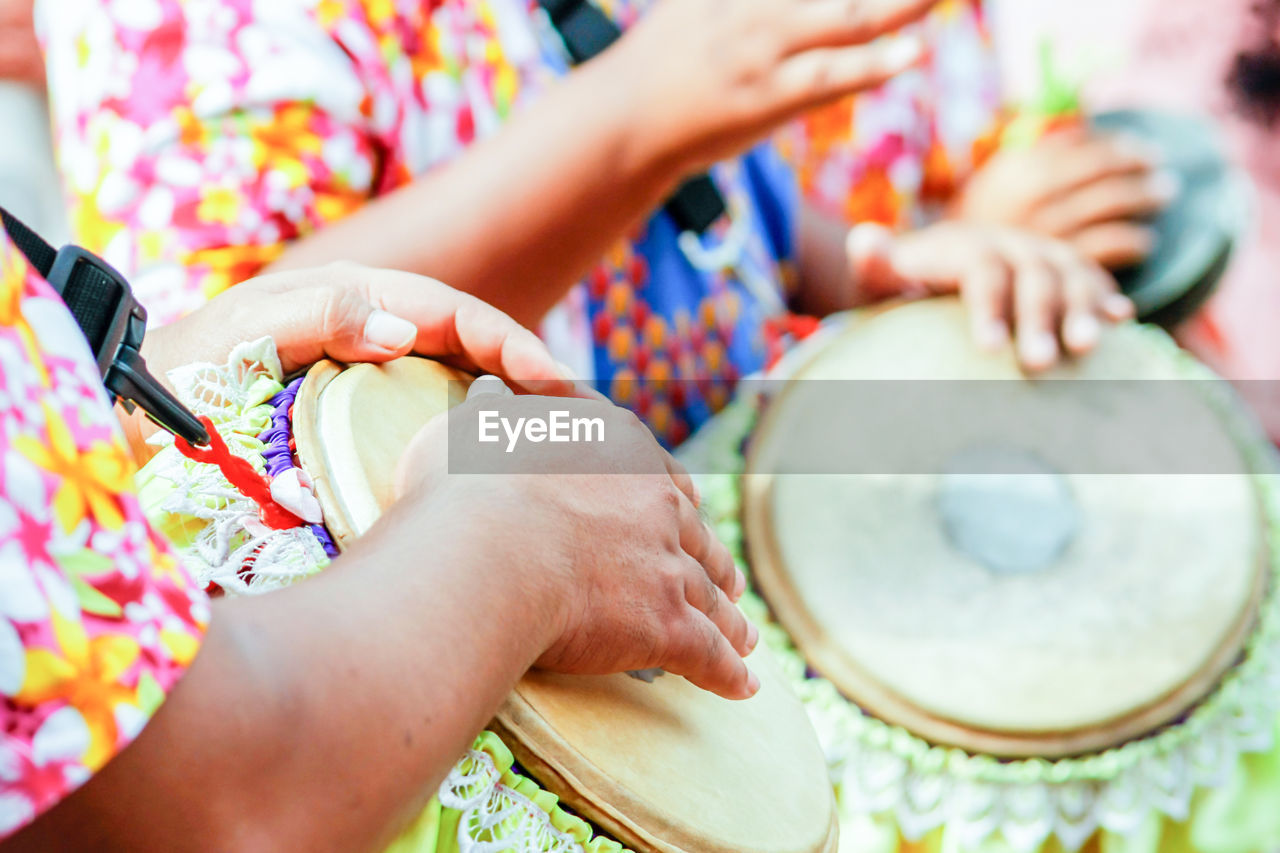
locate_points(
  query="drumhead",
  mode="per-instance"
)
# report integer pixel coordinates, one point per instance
(663, 767)
(669, 768)
(351, 425)
(1049, 611)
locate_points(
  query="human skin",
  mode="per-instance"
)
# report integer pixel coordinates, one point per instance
(324, 715)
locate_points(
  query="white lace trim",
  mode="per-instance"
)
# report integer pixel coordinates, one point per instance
(236, 396)
(496, 818)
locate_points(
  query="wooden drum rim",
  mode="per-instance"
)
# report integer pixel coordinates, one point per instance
(763, 552)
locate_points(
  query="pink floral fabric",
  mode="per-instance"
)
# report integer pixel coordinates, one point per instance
(198, 137)
(893, 154)
(97, 619)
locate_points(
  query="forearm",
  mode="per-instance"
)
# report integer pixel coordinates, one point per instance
(325, 715)
(520, 216)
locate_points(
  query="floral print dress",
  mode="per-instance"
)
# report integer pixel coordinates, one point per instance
(894, 155)
(97, 619)
(198, 137)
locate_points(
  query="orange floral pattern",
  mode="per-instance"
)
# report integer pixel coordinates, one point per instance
(893, 155)
(97, 620)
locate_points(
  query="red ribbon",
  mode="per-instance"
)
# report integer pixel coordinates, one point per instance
(242, 475)
(777, 330)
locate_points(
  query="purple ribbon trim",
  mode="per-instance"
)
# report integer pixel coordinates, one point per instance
(278, 456)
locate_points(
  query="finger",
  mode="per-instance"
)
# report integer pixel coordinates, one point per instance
(1115, 245)
(985, 291)
(1084, 287)
(821, 75)
(870, 249)
(699, 542)
(842, 23)
(697, 650)
(708, 598)
(450, 325)
(1110, 199)
(1062, 165)
(326, 320)
(1036, 301)
(681, 477)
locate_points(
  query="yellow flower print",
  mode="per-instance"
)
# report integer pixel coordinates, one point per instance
(91, 480)
(380, 11)
(87, 677)
(94, 230)
(219, 205)
(277, 143)
(12, 279)
(225, 266)
(328, 12)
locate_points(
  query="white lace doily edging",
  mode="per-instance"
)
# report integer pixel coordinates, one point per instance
(236, 397)
(496, 818)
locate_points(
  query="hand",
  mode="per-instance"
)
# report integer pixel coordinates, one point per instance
(610, 533)
(353, 314)
(1087, 188)
(707, 78)
(20, 57)
(1044, 286)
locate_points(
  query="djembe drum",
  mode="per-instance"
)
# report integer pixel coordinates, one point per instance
(659, 767)
(1044, 622)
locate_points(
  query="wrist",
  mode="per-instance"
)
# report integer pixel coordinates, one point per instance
(511, 551)
(633, 110)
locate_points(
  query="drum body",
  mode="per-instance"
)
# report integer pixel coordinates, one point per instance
(1023, 619)
(658, 767)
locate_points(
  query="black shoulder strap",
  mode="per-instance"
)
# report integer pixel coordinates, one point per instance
(113, 322)
(586, 32)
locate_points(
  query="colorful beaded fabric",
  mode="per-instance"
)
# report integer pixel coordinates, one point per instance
(485, 805)
(1208, 783)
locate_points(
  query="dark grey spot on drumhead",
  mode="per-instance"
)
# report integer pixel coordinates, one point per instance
(1007, 509)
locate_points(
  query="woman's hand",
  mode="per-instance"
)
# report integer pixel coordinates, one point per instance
(707, 78)
(353, 314)
(608, 539)
(1044, 287)
(1089, 189)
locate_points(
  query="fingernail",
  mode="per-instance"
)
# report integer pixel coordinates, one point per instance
(1118, 306)
(868, 239)
(753, 636)
(991, 334)
(490, 385)
(739, 586)
(903, 52)
(1082, 331)
(1164, 185)
(386, 330)
(753, 684)
(1137, 148)
(1038, 349)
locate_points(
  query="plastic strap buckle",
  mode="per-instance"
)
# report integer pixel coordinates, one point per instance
(114, 323)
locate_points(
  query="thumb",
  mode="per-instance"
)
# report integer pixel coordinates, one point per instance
(338, 323)
(422, 459)
(876, 274)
